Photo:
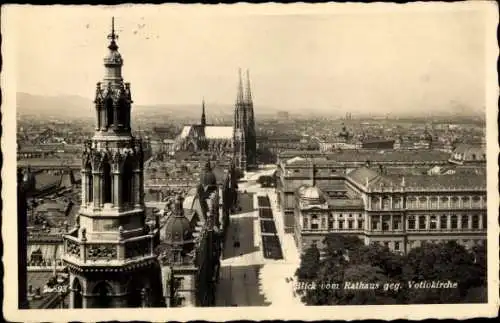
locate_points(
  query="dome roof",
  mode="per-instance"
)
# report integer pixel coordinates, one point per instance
(311, 195)
(177, 228)
(207, 177)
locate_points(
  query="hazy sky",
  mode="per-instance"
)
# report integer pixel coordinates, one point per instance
(354, 60)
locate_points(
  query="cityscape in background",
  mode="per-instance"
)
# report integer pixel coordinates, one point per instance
(240, 205)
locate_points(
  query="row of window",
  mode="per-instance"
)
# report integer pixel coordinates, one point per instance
(385, 223)
(436, 222)
(427, 202)
(340, 215)
(433, 222)
(106, 188)
(331, 225)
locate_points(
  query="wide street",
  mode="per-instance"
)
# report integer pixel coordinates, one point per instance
(247, 278)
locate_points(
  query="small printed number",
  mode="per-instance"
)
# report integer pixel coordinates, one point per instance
(61, 289)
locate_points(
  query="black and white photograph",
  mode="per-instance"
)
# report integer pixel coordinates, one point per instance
(282, 161)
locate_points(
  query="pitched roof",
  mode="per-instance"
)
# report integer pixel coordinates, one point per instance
(218, 132)
(363, 174)
(455, 181)
(361, 155)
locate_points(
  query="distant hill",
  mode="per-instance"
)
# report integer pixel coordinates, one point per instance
(57, 106)
(73, 106)
(183, 110)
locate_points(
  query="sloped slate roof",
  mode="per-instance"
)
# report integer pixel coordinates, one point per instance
(218, 132)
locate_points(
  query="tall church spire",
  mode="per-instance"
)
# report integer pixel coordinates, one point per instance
(239, 97)
(203, 117)
(248, 91)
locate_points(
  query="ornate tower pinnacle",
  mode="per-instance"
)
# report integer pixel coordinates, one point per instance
(113, 36)
(113, 97)
(203, 117)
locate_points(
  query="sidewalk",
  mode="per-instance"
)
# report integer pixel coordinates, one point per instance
(273, 273)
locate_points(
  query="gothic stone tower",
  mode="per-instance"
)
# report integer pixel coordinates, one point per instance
(251, 144)
(110, 251)
(244, 137)
(240, 129)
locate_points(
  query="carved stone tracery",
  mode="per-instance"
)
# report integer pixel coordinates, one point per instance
(107, 252)
(73, 248)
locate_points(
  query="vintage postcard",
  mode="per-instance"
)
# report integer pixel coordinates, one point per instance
(224, 162)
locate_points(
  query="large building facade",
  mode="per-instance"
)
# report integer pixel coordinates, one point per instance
(395, 210)
(294, 170)
(237, 141)
(110, 252)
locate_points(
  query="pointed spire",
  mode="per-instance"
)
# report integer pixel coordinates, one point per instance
(248, 94)
(113, 36)
(239, 97)
(203, 117)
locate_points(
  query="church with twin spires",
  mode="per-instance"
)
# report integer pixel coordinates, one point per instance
(237, 141)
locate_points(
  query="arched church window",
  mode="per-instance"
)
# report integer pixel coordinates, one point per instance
(103, 293)
(127, 178)
(119, 113)
(77, 294)
(109, 112)
(106, 187)
(90, 187)
(90, 183)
